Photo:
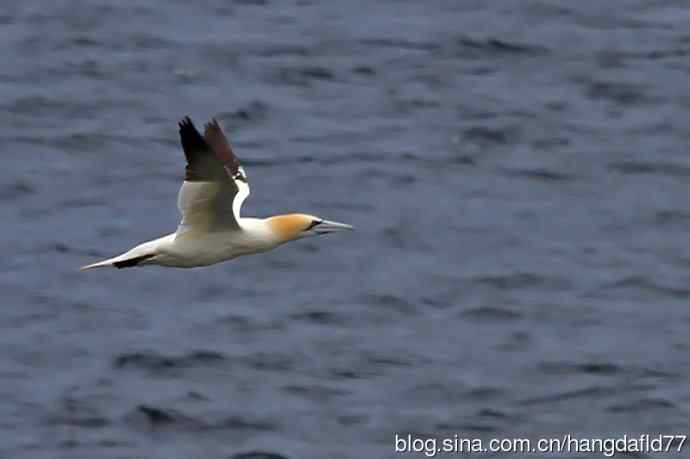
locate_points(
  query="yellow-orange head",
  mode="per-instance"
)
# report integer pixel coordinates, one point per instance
(295, 226)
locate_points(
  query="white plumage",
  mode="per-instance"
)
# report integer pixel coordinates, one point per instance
(210, 200)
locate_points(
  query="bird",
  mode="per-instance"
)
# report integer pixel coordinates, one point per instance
(210, 200)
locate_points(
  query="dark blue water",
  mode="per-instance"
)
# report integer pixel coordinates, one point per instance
(518, 172)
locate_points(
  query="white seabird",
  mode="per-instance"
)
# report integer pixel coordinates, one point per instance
(210, 199)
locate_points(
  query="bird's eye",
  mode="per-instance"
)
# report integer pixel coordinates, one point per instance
(313, 224)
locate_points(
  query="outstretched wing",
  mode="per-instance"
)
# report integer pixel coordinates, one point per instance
(215, 185)
(215, 138)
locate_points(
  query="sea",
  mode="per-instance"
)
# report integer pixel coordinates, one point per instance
(518, 173)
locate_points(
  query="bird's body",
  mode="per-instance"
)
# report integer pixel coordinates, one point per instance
(210, 200)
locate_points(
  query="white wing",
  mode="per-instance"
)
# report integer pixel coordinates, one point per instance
(215, 184)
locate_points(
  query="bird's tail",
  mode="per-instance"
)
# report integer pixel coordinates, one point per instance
(100, 264)
(134, 257)
(119, 262)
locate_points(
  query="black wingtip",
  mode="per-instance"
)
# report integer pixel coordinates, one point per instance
(131, 262)
(213, 123)
(184, 122)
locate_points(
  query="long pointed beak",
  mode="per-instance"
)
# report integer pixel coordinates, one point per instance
(327, 226)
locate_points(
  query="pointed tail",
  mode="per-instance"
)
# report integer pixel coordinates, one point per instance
(118, 262)
(100, 264)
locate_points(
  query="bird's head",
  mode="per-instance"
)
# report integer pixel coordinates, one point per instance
(296, 226)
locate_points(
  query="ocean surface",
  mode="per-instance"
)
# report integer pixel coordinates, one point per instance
(519, 176)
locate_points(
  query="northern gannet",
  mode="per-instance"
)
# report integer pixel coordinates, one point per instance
(210, 199)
